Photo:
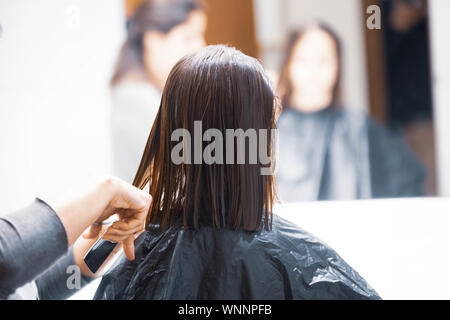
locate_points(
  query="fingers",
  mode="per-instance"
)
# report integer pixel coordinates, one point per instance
(117, 235)
(117, 248)
(131, 204)
(125, 225)
(92, 232)
(130, 197)
(128, 247)
(139, 233)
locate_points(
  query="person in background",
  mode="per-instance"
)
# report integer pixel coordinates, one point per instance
(408, 76)
(159, 33)
(327, 151)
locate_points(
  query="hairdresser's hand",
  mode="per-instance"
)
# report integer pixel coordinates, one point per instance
(95, 202)
(131, 206)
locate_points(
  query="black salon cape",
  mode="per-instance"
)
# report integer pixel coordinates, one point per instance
(341, 154)
(284, 263)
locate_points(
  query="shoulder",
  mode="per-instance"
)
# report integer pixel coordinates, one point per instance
(352, 117)
(286, 119)
(308, 259)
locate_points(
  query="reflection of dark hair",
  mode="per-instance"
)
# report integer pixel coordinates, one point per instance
(159, 15)
(224, 89)
(284, 88)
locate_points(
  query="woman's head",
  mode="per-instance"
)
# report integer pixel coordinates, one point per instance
(159, 33)
(310, 73)
(223, 90)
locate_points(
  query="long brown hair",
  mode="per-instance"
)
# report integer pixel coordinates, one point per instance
(159, 15)
(285, 87)
(224, 89)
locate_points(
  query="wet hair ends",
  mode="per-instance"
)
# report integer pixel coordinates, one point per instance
(224, 89)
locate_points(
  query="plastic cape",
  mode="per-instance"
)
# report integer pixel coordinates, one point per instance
(283, 263)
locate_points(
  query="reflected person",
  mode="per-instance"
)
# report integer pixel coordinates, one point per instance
(328, 151)
(159, 33)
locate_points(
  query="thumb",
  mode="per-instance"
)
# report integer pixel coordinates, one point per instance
(128, 247)
(92, 232)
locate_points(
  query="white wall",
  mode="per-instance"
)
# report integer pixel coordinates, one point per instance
(274, 19)
(440, 53)
(56, 57)
(400, 247)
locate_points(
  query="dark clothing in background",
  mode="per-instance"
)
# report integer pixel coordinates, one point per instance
(33, 247)
(341, 154)
(408, 73)
(284, 263)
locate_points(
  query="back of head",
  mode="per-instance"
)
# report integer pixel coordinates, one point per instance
(213, 101)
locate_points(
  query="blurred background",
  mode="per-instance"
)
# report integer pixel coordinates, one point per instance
(364, 86)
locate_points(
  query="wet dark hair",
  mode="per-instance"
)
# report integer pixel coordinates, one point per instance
(284, 87)
(159, 15)
(225, 89)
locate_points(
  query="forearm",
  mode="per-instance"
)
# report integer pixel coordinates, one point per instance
(31, 240)
(79, 212)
